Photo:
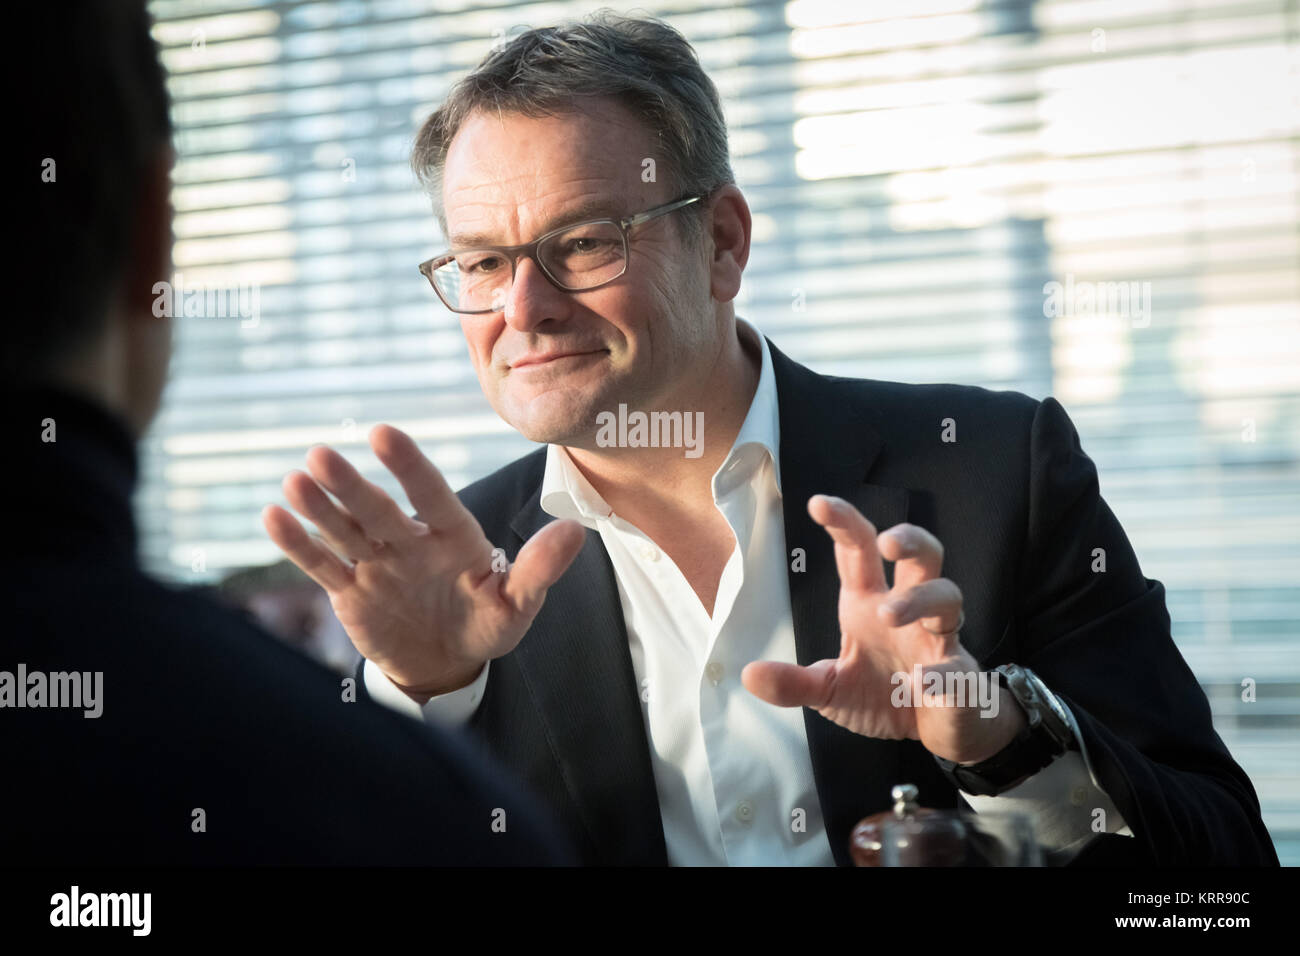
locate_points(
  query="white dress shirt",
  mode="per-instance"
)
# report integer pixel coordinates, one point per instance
(733, 773)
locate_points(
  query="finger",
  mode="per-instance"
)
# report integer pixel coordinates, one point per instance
(312, 558)
(339, 528)
(540, 562)
(936, 604)
(429, 493)
(789, 685)
(917, 554)
(378, 515)
(856, 556)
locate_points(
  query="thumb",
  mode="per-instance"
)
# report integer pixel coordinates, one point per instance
(540, 562)
(789, 685)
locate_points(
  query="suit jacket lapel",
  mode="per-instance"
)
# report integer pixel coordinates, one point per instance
(828, 447)
(578, 667)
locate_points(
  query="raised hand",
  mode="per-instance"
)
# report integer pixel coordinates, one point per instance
(419, 598)
(887, 632)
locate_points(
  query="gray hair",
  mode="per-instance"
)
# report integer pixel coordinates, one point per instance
(643, 63)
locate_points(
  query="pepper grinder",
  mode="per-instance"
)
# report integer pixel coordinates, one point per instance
(920, 836)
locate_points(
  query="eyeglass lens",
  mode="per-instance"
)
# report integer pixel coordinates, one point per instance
(578, 258)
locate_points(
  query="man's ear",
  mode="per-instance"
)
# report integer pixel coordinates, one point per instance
(729, 227)
(150, 258)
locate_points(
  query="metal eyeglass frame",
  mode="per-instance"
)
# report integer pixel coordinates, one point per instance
(529, 249)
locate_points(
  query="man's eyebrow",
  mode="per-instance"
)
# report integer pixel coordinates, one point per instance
(591, 209)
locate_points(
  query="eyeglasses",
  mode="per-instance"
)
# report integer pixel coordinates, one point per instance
(577, 258)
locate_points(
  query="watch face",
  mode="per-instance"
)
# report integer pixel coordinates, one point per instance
(1051, 701)
(1054, 704)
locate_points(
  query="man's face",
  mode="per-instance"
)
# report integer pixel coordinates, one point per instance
(510, 178)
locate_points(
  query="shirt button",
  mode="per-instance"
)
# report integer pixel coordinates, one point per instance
(714, 672)
(649, 553)
(745, 811)
(1078, 796)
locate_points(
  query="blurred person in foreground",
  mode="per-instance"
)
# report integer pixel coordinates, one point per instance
(719, 645)
(143, 724)
(292, 607)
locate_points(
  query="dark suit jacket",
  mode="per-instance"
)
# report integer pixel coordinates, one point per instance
(201, 708)
(1015, 502)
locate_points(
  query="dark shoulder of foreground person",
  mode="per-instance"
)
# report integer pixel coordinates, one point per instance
(202, 709)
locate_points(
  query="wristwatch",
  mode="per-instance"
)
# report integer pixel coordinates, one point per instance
(1045, 736)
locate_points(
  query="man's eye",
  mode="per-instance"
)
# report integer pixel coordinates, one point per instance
(479, 266)
(583, 245)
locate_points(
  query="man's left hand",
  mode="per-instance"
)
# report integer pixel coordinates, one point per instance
(885, 632)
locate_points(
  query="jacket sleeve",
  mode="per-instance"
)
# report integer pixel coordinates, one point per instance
(1097, 631)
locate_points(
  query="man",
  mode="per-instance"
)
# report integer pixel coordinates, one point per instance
(668, 661)
(141, 723)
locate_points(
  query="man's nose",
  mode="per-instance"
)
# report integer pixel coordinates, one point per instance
(532, 298)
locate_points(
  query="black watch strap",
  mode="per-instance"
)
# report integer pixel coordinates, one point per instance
(1045, 736)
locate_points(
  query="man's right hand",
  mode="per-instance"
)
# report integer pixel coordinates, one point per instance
(422, 601)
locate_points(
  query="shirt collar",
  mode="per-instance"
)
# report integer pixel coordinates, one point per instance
(566, 493)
